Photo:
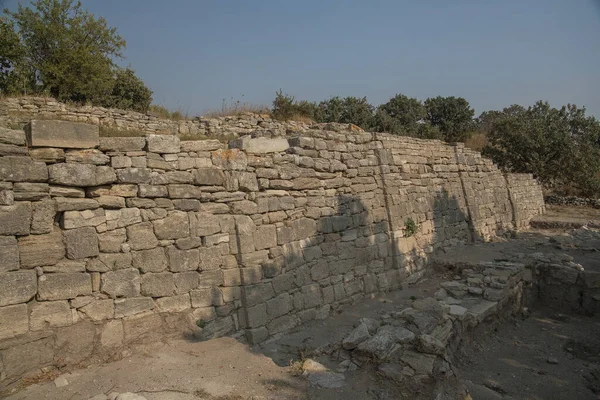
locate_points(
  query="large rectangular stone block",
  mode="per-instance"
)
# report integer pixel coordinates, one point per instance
(22, 169)
(158, 284)
(121, 283)
(81, 243)
(127, 307)
(49, 314)
(163, 143)
(9, 254)
(15, 219)
(260, 145)
(64, 286)
(40, 250)
(17, 287)
(66, 134)
(14, 320)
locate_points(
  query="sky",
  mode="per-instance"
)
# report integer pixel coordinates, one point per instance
(195, 53)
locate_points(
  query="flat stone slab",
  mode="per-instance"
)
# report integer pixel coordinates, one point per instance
(65, 134)
(260, 145)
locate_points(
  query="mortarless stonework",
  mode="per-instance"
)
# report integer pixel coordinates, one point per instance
(147, 238)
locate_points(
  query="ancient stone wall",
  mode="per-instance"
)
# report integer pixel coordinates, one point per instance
(109, 242)
(19, 110)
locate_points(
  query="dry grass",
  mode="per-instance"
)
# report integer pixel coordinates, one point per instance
(302, 118)
(233, 107)
(165, 113)
(476, 142)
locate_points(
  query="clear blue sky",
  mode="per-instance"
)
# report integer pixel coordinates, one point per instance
(194, 53)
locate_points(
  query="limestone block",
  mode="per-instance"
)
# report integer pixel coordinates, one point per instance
(48, 155)
(40, 250)
(115, 202)
(206, 297)
(186, 281)
(175, 226)
(16, 219)
(134, 175)
(209, 177)
(122, 218)
(258, 335)
(153, 191)
(265, 237)
(132, 306)
(12, 136)
(110, 262)
(260, 145)
(50, 314)
(203, 224)
(163, 143)
(281, 324)
(81, 243)
(279, 306)
(152, 260)
(86, 218)
(66, 134)
(98, 309)
(17, 287)
(110, 242)
(28, 191)
(121, 283)
(256, 316)
(255, 294)
(141, 236)
(123, 144)
(14, 320)
(158, 284)
(183, 260)
(64, 286)
(90, 156)
(72, 174)
(42, 220)
(22, 169)
(74, 204)
(173, 304)
(9, 254)
(12, 150)
(7, 197)
(120, 162)
(200, 145)
(232, 159)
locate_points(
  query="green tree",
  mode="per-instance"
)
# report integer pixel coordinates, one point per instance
(452, 115)
(347, 110)
(401, 115)
(559, 146)
(13, 77)
(285, 107)
(70, 54)
(129, 92)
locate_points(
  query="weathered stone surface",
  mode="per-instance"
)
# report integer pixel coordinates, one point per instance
(201, 145)
(356, 337)
(158, 284)
(122, 143)
(110, 242)
(204, 224)
(72, 174)
(260, 145)
(163, 143)
(121, 283)
(81, 243)
(209, 177)
(66, 134)
(186, 281)
(40, 250)
(134, 175)
(75, 204)
(279, 306)
(9, 254)
(141, 236)
(49, 155)
(152, 260)
(255, 294)
(7, 197)
(110, 262)
(49, 314)
(421, 363)
(17, 287)
(175, 226)
(14, 320)
(43, 216)
(132, 306)
(86, 218)
(22, 169)
(183, 260)
(12, 136)
(99, 310)
(91, 156)
(112, 334)
(64, 286)
(15, 219)
(205, 297)
(173, 304)
(232, 159)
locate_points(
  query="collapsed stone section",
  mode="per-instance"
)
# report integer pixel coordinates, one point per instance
(142, 238)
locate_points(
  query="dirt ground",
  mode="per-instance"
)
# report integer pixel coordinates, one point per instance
(547, 355)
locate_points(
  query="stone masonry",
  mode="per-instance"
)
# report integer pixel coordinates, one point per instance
(137, 239)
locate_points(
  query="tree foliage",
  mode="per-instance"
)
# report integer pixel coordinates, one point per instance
(561, 147)
(347, 110)
(452, 115)
(61, 49)
(129, 92)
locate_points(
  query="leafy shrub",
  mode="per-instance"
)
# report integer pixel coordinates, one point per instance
(410, 227)
(285, 107)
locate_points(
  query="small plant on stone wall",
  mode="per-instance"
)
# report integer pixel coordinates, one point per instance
(201, 324)
(410, 227)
